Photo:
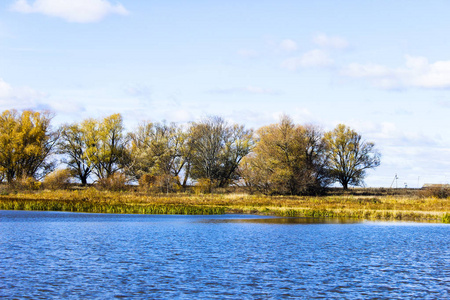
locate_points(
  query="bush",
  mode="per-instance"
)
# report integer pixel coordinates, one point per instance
(167, 183)
(160, 183)
(203, 186)
(58, 179)
(4, 191)
(146, 182)
(115, 182)
(440, 192)
(26, 183)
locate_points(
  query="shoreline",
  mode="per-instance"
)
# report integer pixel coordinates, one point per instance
(379, 208)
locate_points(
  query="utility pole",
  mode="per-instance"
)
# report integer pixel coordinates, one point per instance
(395, 180)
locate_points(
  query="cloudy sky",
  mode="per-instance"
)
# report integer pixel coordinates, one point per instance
(381, 67)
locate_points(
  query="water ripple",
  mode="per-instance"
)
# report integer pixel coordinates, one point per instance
(47, 255)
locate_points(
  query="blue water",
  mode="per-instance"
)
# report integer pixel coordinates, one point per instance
(45, 255)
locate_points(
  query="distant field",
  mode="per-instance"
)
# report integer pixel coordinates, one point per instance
(370, 204)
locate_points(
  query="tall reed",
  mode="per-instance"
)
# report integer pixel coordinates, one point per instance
(372, 207)
(446, 218)
(103, 207)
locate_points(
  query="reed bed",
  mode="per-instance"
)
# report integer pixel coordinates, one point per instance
(117, 208)
(382, 207)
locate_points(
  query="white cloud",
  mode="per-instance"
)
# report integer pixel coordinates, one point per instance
(79, 11)
(334, 42)
(313, 58)
(288, 45)
(67, 107)
(388, 134)
(417, 72)
(245, 90)
(19, 98)
(22, 98)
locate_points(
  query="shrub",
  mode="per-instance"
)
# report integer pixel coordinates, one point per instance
(146, 182)
(159, 183)
(440, 192)
(167, 183)
(147, 179)
(4, 189)
(203, 186)
(58, 179)
(115, 182)
(26, 183)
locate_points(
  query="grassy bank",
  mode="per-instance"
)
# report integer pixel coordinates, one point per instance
(381, 207)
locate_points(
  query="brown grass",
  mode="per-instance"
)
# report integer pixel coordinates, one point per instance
(385, 206)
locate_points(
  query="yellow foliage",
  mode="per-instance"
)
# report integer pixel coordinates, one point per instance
(25, 143)
(27, 183)
(58, 179)
(288, 159)
(159, 183)
(203, 186)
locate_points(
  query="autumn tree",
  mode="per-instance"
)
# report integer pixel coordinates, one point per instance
(287, 159)
(26, 143)
(217, 150)
(107, 151)
(158, 149)
(94, 147)
(350, 156)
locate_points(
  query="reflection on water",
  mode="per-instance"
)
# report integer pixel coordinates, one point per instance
(54, 255)
(287, 221)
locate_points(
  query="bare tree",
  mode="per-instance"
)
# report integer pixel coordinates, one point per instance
(217, 150)
(73, 144)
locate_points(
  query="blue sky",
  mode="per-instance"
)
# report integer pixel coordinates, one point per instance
(381, 67)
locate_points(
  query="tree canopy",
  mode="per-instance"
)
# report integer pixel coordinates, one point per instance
(26, 143)
(287, 159)
(217, 150)
(350, 156)
(281, 158)
(94, 146)
(74, 143)
(158, 149)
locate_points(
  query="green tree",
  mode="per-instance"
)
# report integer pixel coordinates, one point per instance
(287, 159)
(26, 143)
(217, 150)
(350, 156)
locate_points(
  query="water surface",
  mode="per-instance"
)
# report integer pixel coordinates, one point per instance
(46, 255)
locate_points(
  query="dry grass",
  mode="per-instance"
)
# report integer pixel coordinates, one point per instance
(382, 207)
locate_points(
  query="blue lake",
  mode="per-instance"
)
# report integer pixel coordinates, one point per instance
(45, 255)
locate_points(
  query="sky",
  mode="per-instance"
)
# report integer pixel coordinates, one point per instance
(380, 67)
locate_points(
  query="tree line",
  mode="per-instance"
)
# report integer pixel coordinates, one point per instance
(281, 158)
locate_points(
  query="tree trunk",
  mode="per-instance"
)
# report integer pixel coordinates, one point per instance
(186, 174)
(345, 185)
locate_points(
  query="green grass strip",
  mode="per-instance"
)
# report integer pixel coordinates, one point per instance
(446, 218)
(117, 208)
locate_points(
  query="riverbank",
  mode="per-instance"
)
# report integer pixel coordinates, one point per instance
(380, 207)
